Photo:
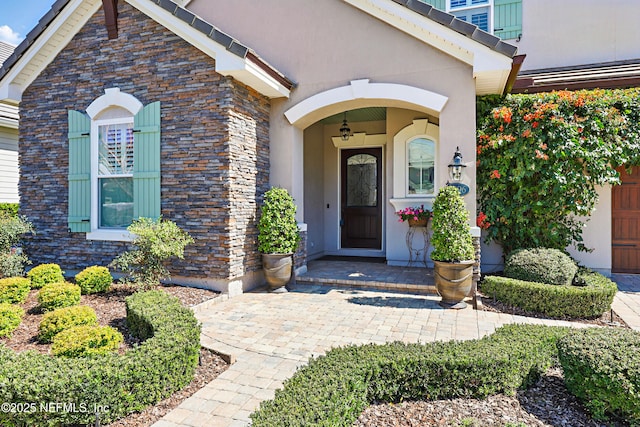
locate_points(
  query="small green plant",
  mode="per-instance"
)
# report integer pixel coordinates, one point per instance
(94, 279)
(451, 240)
(278, 228)
(80, 341)
(60, 319)
(44, 274)
(602, 368)
(9, 209)
(58, 295)
(10, 318)
(156, 241)
(14, 290)
(543, 265)
(12, 259)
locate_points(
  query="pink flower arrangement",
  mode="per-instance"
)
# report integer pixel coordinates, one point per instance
(415, 213)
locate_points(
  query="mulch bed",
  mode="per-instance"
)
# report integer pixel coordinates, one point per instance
(110, 309)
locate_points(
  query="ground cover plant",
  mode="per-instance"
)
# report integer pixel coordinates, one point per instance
(334, 389)
(541, 158)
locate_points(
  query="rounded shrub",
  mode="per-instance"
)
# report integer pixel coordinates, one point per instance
(602, 368)
(543, 265)
(86, 340)
(44, 274)
(58, 295)
(10, 318)
(94, 279)
(563, 301)
(14, 290)
(164, 363)
(58, 320)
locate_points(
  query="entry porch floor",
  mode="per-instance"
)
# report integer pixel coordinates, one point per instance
(368, 274)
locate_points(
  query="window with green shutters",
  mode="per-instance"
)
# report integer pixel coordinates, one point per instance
(114, 171)
(502, 18)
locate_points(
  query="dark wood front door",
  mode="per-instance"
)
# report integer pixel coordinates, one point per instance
(625, 223)
(361, 204)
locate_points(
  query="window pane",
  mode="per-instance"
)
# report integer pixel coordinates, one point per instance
(479, 17)
(481, 20)
(421, 159)
(362, 189)
(115, 148)
(116, 202)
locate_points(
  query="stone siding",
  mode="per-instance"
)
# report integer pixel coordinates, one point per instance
(214, 145)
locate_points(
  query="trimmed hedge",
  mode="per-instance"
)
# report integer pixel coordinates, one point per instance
(543, 265)
(94, 279)
(602, 368)
(14, 290)
(86, 340)
(562, 301)
(10, 318)
(58, 320)
(44, 274)
(58, 295)
(155, 369)
(333, 390)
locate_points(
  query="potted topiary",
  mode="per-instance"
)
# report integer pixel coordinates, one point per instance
(278, 237)
(453, 252)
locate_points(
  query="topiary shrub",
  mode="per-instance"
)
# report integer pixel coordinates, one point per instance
(94, 279)
(10, 318)
(562, 301)
(86, 340)
(543, 265)
(278, 228)
(451, 239)
(602, 368)
(58, 295)
(164, 363)
(14, 290)
(60, 319)
(156, 241)
(333, 390)
(44, 274)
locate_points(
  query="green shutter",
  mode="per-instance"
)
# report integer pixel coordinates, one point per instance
(507, 15)
(79, 215)
(438, 4)
(146, 162)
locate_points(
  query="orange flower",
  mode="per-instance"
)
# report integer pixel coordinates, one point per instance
(535, 125)
(494, 174)
(526, 133)
(481, 221)
(541, 155)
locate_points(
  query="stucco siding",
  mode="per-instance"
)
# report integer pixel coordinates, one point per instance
(8, 165)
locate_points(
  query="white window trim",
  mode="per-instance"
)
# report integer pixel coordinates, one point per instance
(112, 98)
(490, 24)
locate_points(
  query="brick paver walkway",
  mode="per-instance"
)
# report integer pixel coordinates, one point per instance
(627, 301)
(271, 335)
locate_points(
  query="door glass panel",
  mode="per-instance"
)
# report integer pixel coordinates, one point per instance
(362, 176)
(421, 159)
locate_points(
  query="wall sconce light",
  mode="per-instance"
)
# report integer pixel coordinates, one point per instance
(456, 168)
(345, 131)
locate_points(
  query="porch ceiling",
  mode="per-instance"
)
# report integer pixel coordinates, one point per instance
(370, 114)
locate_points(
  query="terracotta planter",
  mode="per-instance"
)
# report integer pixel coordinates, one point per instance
(277, 270)
(453, 282)
(422, 222)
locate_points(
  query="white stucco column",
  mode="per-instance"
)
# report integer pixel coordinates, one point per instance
(287, 159)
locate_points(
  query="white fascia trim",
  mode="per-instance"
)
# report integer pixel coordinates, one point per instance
(362, 89)
(457, 45)
(114, 98)
(46, 47)
(227, 63)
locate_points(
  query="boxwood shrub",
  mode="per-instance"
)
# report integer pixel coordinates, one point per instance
(562, 301)
(602, 368)
(14, 290)
(86, 340)
(60, 319)
(58, 295)
(10, 318)
(44, 274)
(543, 265)
(94, 279)
(334, 389)
(164, 363)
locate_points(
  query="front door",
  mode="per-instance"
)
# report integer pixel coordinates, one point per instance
(361, 204)
(625, 223)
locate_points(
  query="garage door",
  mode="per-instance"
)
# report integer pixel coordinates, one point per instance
(625, 217)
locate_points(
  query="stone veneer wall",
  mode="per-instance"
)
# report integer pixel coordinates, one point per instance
(214, 146)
